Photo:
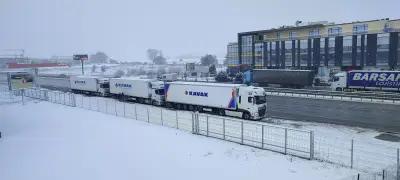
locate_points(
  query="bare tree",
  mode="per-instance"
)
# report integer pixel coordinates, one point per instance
(94, 67)
(119, 73)
(99, 57)
(208, 59)
(156, 56)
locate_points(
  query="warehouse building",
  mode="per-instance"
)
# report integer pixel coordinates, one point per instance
(357, 45)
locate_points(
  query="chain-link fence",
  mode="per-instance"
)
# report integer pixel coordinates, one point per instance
(376, 161)
(275, 138)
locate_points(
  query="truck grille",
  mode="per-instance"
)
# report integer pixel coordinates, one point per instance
(261, 111)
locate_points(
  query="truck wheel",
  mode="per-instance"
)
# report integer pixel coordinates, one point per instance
(338, 89)
(221, 112)
(246, 115)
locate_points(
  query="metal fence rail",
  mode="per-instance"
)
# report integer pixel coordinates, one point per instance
(274, 138)
(375, 160)
(377, 97)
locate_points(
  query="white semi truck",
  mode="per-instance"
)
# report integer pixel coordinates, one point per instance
(141, 90)
(90, 85)
(238, 100)
(366, 80)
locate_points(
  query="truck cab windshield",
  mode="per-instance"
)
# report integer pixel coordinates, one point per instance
(104, 85)
(159, 91)
(260, 99)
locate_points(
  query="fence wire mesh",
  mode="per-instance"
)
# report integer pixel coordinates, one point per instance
(376, 161)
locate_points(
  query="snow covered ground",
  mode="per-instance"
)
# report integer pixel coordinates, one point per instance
(42, 140)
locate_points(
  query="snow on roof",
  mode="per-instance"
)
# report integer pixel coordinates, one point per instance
(205, 84)
(283, 70)
(135, 78)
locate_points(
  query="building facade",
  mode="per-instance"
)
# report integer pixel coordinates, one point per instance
(232, 56)
(357, 45)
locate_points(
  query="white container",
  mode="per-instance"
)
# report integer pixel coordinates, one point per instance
(203, 94)
(131, 87)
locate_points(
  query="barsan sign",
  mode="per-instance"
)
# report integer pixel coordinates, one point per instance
(384, 79)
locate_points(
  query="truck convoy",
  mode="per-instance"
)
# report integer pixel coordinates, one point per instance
(141, 90)
(90, 85)
(238, 100)
(366, 80)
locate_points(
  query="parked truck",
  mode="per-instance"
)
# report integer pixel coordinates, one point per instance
(282, 77)
(141, 90)
(90, 85)
(367, 80)
(238, 100)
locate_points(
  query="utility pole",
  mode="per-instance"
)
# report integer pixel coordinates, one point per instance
(83, 72)
(81, 57)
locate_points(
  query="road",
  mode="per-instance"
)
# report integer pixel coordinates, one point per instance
(384, 117)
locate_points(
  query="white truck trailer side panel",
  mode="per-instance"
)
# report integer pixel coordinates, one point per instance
(84, 83)
(203, 94)
(53, 82)
(130, 87)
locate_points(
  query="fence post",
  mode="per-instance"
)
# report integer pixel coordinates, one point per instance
(135, 112)
(46, 95)
(177, 122)
(124, 109)
(106, 106)
(22, 94)
(97, 103)
(197, 123)
(285, 140)
(73, 99)
(162, 121)
(193, 123)
(64, 98)
(351, 153)
(207, 124)
(311, 145)
(262, 136)
(223, 128)
(115, 107)
(241, 132)
(398, 166)
(148, 115)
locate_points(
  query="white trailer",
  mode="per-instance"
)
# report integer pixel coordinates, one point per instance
(367, 80)
(239, 100)
(141, 90)
(169, 77)
(53, 83)
(90, 85)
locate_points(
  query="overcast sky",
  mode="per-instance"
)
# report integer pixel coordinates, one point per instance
(124, 29)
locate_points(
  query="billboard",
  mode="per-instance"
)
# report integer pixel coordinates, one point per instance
(80, 57)
(377, 79)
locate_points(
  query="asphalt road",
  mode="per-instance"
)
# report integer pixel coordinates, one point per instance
(383, 117)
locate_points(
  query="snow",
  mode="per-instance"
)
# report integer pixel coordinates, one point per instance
(43, 141)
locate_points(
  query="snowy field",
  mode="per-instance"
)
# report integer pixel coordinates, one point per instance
(42, 140)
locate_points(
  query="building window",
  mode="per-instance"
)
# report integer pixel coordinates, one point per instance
(382, 55)
(278, 35)
(334, 31)
(292, 35)
(360, 28)
(314, 33)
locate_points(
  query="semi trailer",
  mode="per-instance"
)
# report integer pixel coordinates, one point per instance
(282, 77)
(90, 85)
(366, 80)
(238, 100)
(141, 90)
